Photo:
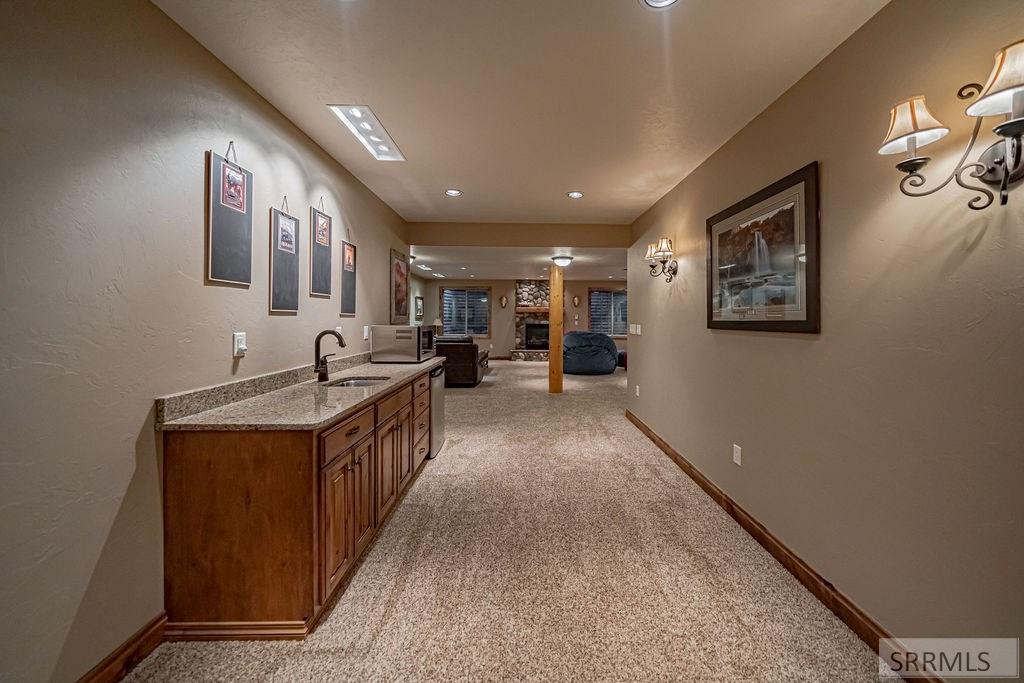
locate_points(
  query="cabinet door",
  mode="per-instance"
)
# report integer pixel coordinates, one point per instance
(387, 473)
(336, 496)
(403, 448)
(363, 512)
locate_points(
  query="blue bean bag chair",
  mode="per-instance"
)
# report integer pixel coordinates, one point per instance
(589, 353)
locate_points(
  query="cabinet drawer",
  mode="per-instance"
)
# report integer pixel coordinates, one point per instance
(421, 385)
(344, 436)
(421, 403)
(421, 426)
(386, 407)
(420, 450)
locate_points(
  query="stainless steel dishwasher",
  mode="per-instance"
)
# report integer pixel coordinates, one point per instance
(436, 410)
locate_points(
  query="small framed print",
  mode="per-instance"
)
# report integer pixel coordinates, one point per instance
(284, 262)
(228, 222)
(233, 186)
(348, 279)
(762, 260)
(320, 256)
(418, 307)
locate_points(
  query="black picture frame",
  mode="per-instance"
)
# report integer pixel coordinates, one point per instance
(398, 269)
(811, 269)
(284, 262)
(229, 189)
(321, 241)
(418, 307)
(348, 279)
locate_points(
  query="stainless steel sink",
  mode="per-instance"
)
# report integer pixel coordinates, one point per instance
(357, 381)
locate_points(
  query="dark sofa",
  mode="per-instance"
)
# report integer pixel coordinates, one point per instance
(465, 363)
(589, 353)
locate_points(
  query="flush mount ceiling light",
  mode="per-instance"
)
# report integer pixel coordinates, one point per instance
(575, 194)
(911, 125)
(452, 192)
(362, 122)
(657, 4)
(562, 261)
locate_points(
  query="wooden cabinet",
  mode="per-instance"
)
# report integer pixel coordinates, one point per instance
(337, 493)
(261, 527)
(364, 514)
(387, 475)
(403, 449)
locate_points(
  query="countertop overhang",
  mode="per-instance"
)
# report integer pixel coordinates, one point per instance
(305, 406)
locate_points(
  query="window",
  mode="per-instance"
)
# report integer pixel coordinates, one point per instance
(466, 311)
(608, 313)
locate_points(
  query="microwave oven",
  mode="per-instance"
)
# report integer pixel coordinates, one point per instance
(401, 343)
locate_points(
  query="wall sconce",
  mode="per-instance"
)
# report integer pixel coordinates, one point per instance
(576, 301)
(911, 126)
(660, 255)
(503, 301)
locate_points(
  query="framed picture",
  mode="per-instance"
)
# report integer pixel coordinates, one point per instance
(319, 253)
(284, 262)
(418, 308)
(762, 262)
(348, 279)
(228, 222)
(399, 288)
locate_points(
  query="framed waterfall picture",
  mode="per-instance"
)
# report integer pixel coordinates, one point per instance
(399, 286)
(762, 261)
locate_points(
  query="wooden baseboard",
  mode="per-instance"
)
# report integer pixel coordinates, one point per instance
(866, 628)
(118, 663)
(236, 630)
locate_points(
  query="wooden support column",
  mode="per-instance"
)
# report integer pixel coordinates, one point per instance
(555, 331)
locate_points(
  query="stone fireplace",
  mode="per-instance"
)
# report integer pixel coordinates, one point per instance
(532, 300)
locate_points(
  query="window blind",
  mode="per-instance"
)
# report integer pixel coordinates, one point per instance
(465, 311)
(608, 312)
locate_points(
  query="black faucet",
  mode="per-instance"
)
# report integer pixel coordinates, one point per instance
(320, 362)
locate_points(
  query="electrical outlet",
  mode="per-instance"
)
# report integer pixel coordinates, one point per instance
(366, 332)
(238, 347)
(638, 391)
(737, 455)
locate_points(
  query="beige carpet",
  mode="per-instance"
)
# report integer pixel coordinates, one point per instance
(551, 540)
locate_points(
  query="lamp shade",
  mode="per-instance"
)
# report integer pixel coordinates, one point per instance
(649, 256)
(1006, 80)
(437, 322)
(911, 120)
(664, 248)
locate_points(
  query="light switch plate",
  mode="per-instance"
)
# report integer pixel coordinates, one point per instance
(638, 391)
(737, 455)
(366, 332)
(238, 346)
(639, 332)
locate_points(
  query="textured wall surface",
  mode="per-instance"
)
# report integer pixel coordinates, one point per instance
(888, 451)
(106, 110)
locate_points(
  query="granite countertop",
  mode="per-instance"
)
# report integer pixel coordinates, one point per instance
(307, 405)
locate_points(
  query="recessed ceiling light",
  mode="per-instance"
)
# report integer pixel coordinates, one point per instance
(575, 194)
(463, 268)
(472, 275)
(439, 275)
(423, 266)
(657, 4)
(611, 277)
(452, 192)
(360, 119)
(562, 261)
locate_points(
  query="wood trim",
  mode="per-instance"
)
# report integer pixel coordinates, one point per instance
(490, 307)
(236, 630)
(118, 663)
(533, 309)
(866, 628)
(556, 329)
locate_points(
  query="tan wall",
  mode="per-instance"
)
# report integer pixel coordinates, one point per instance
(106, 111)
(518, 235)
(581, 288)
(888, 451)
(503, 320)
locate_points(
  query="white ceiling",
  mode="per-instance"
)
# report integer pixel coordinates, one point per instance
(517, 102)
(518, 263)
